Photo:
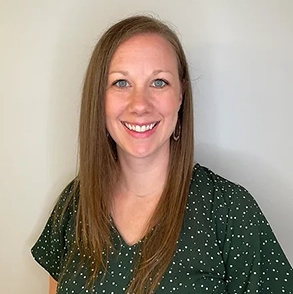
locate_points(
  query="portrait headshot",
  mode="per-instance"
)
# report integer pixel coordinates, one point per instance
(148, 149)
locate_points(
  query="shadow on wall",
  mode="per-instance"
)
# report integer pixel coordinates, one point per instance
(261, 180)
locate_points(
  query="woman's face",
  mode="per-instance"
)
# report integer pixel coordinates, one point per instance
(143, 96)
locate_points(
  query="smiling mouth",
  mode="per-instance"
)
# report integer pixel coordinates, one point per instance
(140, 128)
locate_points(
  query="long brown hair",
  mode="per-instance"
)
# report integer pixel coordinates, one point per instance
(99, 168)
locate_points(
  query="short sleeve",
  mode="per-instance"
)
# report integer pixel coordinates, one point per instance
(254, 260)
(52, 247)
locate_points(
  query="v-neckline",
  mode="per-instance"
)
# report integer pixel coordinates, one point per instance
(120, 237)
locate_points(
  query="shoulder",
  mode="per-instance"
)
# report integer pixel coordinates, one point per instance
(213, 188)
(58, 236)
(69, 193)
(227, 215)
(67, 203)
(220, 203)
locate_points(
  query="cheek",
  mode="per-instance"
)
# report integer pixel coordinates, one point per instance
(111, 108)
(113, 112)
(171, 107)
(109, 112)
(114, 103)
(173, 112)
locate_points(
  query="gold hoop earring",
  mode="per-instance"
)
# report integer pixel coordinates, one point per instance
(177, 132)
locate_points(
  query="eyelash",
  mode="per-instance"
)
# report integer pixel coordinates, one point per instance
(166, 83)
(116, 83)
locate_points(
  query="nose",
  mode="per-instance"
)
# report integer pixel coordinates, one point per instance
(140, 101)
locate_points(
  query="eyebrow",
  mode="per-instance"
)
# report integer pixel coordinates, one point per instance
(156, 72)
(126, 73)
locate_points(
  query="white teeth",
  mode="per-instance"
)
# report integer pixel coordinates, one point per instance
(139, 129)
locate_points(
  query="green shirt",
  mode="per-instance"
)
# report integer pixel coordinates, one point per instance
(226, 246)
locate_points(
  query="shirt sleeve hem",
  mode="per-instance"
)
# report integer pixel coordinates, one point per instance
(46, 267)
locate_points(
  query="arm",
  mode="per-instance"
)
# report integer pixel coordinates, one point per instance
(51, 247)
(52, 286)
(254, 259)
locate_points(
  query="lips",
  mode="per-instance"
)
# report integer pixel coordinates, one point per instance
(140, 128)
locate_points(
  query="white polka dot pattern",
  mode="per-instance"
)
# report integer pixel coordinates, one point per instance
(225, 246)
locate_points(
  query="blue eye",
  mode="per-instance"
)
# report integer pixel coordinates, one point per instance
(159, 83)
(121, 83)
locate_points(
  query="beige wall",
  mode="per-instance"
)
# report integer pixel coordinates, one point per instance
(242, 66)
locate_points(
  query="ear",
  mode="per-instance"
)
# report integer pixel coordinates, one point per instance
(180, 101)
(181, 94)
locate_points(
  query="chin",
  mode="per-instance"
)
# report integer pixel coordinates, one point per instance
(145, 150)
(136, 152)
(140, 154)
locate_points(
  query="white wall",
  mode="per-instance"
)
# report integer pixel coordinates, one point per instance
(241, 61)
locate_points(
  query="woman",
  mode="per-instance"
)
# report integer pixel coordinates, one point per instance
(139, 218)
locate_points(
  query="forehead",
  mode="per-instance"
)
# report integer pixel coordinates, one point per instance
(147, 45)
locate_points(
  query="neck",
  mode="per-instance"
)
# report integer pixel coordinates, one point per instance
(143, 177)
